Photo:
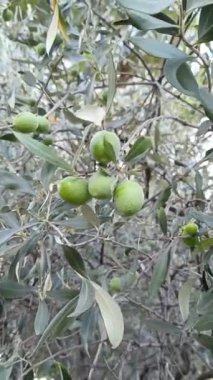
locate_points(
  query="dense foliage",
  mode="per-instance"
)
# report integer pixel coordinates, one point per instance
(97, 289)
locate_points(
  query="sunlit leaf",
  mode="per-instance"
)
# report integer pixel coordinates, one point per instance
(111, 314)
(86, 298)
(184, 298)
(53, 28)
(92, 114)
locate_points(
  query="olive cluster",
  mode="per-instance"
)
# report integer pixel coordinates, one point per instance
(128, 195)
(27, 122)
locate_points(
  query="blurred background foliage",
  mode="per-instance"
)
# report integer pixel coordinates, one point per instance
(138, 68)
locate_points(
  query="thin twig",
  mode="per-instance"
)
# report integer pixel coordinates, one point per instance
(95, 361)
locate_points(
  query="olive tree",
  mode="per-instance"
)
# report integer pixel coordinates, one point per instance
(114, 286)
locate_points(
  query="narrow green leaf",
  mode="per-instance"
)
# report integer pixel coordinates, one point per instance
(7, 234)
(193, 4)
(162, 219)
(158, 49)
(204, 127)
(202, 217)
(111, 314)
(204, 244)
(5, 371)
(128, 279)
(159, 273)
(29, 78)
(204, 323)
(47, 173)
(11, 289)
(29, 375)
(141, 146)
(179, 74)
(87, 329)
(44, 152)
(156, 136)
(184, 298)
(143, 21)
(90, 216)
(75, 260)
(205, 303)
(163, 198)
(61, 370)
(65, 375)
(147, 6)
(53, 28)
(77, 222)
(27, 247)
(162, 326)
(198, 181)
(59, 319)
(207, 101)
(85, 300)
(11, 181)
(204, 340)
(63, 294)
(8, 137)
(205, 28)
(111, 82)
(42, 318)
(209, 155)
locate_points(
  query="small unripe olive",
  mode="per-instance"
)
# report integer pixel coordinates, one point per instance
(7, 15)
(99, 146)
(101, 186)
(25, 122)
(41, 48)
(128, 197)
(115, 284)
(190, 229)
(43, 124)
(74, 190)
